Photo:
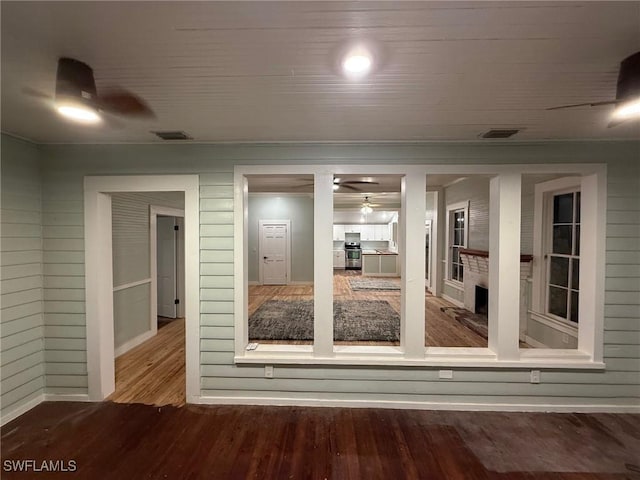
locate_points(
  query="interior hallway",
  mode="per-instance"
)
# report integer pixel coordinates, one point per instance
(153, 373)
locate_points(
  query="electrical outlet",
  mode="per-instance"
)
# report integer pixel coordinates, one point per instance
(268, 371)
(535, 376)
(565, 338)
(445, 374)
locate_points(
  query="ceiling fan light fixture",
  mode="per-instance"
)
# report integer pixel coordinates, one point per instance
(78, 112)
(357, 63)
(335, 187)
(627, 110)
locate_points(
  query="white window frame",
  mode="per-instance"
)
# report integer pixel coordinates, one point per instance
(589, 329)
(451, 209)
(547, 233)
(504, 257)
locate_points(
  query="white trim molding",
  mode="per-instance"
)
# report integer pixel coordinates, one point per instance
(22, 409)
(135, 341)
(405, 405)
(99, 277)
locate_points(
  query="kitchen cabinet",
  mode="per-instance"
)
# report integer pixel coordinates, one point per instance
(367, 232)
(338, 259)
(381, 232)
(379, 265)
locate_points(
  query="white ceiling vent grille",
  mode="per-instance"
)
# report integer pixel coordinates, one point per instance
(172, 135)
(500, 133)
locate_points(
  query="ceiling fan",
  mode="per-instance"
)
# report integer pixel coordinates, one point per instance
(76, 96)
(627, 93)
(349, 184)
(367, 206)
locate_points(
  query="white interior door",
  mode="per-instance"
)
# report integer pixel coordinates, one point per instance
(166, 255)
(273, 253)
(427, 257)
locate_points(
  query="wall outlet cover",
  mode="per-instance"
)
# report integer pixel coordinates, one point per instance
(268, 371)
(448, 374)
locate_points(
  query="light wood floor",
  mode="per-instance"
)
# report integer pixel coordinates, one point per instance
(441, 329)
(153, 373)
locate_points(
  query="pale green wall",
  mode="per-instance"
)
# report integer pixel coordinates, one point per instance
(65, 166)
(22, 327)
(299, 210)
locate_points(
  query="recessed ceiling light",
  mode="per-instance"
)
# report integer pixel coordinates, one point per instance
(79, 113)
(357, 63)
(627, 110)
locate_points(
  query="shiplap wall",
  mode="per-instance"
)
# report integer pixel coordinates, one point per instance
(21, 327)
(618, 385)
(131, 258)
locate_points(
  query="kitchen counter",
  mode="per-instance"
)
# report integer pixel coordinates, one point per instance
(378, 252)
(379, 263)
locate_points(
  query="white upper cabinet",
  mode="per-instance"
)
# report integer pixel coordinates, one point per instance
(367, 232)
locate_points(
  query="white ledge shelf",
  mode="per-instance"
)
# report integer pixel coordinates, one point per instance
(436, 357)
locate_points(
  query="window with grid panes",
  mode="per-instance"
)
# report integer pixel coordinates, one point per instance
(457, 241)
(563, 257)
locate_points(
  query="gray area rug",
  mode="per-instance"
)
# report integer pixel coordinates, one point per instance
(353, 320)
(373, 284)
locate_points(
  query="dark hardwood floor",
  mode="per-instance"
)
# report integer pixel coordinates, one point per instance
(134, 441)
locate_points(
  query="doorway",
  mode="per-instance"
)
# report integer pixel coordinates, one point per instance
(168, 226)
(99, 275)
(427, 257)
(274, 251)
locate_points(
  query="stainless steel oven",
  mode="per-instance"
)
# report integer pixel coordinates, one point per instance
(353, 256)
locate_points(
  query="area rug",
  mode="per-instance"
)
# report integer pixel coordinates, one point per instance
(353, 320)
(373, 284)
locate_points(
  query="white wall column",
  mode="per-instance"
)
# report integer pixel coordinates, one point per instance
(99, 307)
(412, 255)
(323, 265)
(592, 265)
(437, 242)
(504, 265)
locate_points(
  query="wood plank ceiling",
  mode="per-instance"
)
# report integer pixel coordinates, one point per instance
(243, 71)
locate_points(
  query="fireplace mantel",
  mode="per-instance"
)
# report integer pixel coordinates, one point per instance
(485, 254)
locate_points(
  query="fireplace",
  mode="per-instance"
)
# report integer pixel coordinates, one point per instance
(482, 300)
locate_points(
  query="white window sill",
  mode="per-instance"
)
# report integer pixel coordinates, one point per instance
(560, 325)
(460, 357)
(454, 283)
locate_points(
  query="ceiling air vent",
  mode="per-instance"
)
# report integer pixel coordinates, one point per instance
(173, 135)
(500, 133)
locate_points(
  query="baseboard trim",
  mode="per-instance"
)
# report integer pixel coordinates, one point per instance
(402, 405)
(134, 342)
(66, 397)
(22, 409)
(457, 303)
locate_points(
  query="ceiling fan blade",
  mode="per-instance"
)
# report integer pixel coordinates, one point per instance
(349, 187)
(358, 182)
(615, 123)
(590, 104)
(303, 186)
(122, 102)
(32, 92)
